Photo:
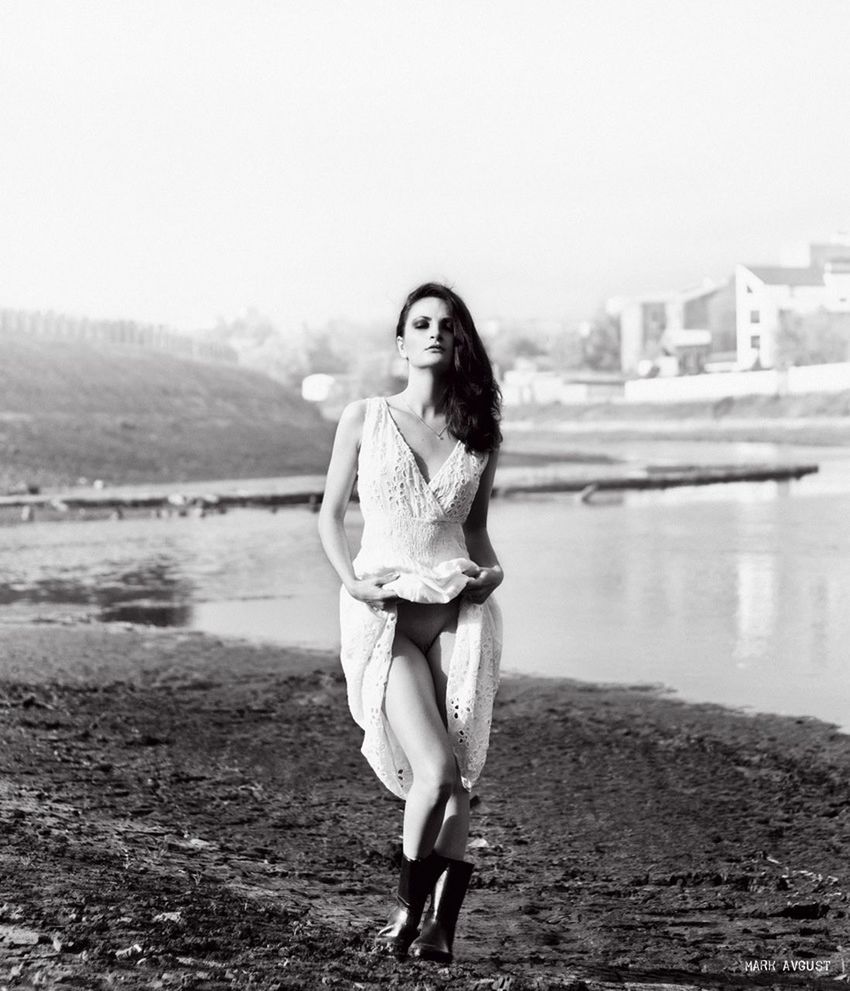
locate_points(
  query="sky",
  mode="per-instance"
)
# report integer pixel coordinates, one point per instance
(179, 161)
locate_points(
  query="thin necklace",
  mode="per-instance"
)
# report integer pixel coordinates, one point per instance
(439, 433)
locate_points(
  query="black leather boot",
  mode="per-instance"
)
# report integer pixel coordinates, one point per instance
(438, 930)
(415, 883)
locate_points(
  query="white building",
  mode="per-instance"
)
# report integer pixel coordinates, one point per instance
(740, 321)
(765, 293)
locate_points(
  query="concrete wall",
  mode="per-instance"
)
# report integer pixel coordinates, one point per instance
(687, 388)
(819, 378)
(521, 386)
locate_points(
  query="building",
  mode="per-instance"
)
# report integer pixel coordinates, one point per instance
(763, 317)
(678, 330)
(771, 301)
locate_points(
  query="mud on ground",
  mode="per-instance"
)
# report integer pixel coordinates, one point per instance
(182, 812)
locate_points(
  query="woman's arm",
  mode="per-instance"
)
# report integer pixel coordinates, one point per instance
(339, 484)
(490, 574)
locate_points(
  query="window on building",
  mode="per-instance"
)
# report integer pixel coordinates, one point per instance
(755, 341)
(755, 316)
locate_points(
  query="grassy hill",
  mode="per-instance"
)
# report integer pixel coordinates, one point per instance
(68, 409)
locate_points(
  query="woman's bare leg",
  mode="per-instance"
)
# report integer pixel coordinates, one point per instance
(454, 831)
(411, 707)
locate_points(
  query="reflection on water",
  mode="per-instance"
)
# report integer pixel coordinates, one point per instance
(103, 584)
(757, 600)
(148, 614)
(744, 604)
(736, 594)
(249, 573)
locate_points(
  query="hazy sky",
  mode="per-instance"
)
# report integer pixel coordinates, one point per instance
(176, 160)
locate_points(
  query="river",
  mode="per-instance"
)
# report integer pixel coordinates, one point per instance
(734, 594)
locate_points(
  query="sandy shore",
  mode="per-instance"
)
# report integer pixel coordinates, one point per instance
(182, 812)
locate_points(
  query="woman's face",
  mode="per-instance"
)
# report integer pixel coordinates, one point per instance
(429, 339)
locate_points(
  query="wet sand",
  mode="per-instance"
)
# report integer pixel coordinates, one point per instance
(179, 811)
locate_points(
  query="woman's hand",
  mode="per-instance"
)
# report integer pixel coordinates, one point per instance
(483, 584)
(371, 590)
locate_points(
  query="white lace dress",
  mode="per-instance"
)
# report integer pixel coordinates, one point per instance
(415, 528)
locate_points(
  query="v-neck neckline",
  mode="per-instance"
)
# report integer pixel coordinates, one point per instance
(428, 481)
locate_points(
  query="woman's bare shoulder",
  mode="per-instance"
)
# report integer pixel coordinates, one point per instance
(354, 414)
(352, 419)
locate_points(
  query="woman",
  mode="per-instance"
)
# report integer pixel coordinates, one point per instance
(421, 639)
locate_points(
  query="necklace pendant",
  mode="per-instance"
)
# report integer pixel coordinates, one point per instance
(439, 434)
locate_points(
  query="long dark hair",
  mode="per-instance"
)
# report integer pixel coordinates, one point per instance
(473, 401)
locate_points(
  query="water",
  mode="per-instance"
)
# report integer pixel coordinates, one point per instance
(734, 594)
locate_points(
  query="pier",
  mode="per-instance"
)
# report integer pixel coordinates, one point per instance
(183, 498)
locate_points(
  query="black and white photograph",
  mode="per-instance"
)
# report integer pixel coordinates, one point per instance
(424, 495)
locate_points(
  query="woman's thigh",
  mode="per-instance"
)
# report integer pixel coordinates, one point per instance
(411, 708)
(439, 658)
(432, 628)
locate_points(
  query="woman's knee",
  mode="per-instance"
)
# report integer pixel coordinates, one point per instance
(439, 778)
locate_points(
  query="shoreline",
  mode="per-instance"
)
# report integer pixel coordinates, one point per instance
(205, 801)
(828, 431)
(327, 658)
(554, 429)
